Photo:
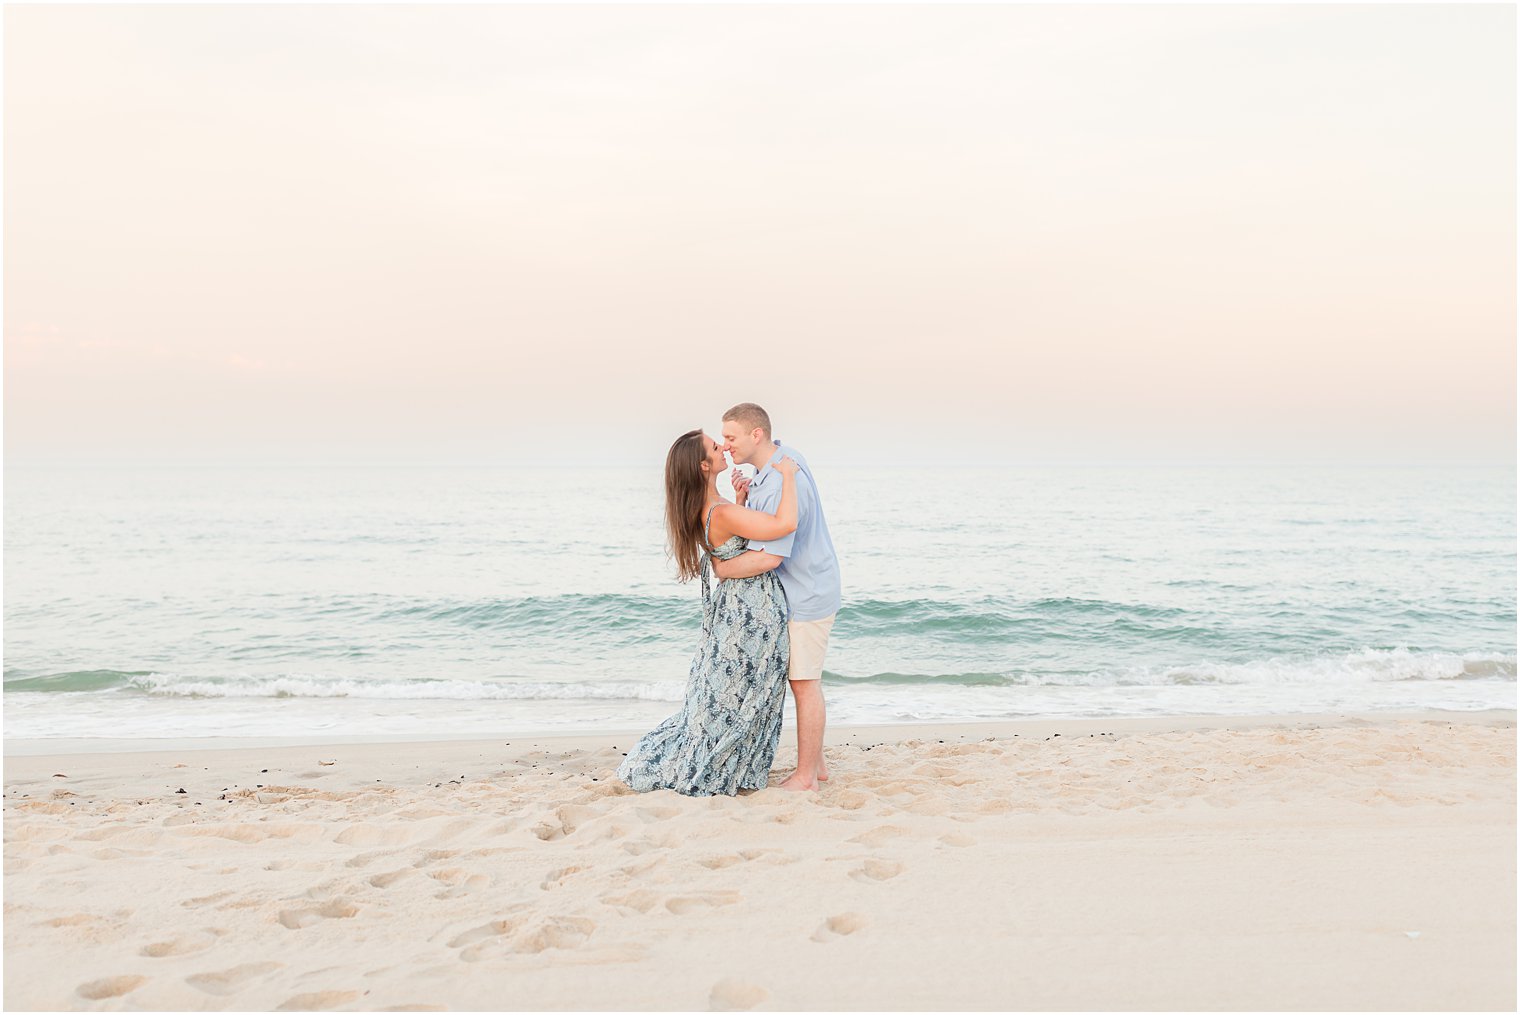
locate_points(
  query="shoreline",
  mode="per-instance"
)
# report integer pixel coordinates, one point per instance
(18, 748)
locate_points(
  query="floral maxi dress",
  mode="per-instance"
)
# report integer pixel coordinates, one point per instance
(724, 737)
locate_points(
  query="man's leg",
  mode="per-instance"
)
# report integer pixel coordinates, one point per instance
(809, 641)
(807, 695)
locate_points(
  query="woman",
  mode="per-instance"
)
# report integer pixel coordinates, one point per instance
(724, 737)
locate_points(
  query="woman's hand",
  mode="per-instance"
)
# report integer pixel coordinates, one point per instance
(740, 484)
(752, 524)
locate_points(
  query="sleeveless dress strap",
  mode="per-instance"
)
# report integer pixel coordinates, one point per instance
(707, 528)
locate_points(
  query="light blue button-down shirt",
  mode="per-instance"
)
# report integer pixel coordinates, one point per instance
(810, 573)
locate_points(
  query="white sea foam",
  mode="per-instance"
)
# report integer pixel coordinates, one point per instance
(174, 685)
(1368, 666)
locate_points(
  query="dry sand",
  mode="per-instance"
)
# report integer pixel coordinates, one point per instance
(1275, 863)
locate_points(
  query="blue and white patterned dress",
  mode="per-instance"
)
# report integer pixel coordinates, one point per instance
(724, 737)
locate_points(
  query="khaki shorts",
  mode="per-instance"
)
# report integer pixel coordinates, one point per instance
(809, 640)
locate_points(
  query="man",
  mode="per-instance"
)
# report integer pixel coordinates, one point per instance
(807, 566)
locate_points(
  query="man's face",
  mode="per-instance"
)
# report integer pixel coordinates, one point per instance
(739, 442)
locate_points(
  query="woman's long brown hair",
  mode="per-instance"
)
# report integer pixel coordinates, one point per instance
(685, 496)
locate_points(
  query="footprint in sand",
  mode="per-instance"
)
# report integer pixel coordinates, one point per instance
(365, 859)
(470, 885)
(204, 900)
(337, 909)
(770, 814)
(187, 945)
(836, 927)
(73, 920)
(549, 831)
(851, 800)
(638, 868)
(648, 814)
(877, 870)
(432, 856)
(565, 821)
(322, 1000)
(717, 863)
(880, 836)
(503, 827)
(611, 830)
(229, 981)
(931, 806)
(391, 877)
(325, 890)
(373, 835)
(638, 902)
(557, 932)
(769, 855)
(729, 994)
(555, 878)
(683, 904)
(478, 941)
(249, 834)
(601, 789)
(638, 847)
(111, 986)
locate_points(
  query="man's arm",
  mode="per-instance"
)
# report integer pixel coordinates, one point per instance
(746, 565)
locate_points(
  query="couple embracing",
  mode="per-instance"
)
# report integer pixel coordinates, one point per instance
(765, 622)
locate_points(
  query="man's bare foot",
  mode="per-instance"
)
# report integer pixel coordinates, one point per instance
(798, 783)
(823, 775)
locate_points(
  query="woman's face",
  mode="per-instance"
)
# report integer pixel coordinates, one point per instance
(715, 461)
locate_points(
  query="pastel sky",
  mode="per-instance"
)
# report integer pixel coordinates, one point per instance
(970, 234)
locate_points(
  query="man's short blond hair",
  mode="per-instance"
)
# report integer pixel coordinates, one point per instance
(750, 416)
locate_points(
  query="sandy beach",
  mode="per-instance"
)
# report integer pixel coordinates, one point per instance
(1272, 863)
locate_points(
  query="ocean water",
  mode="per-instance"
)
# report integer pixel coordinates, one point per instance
(484, 602)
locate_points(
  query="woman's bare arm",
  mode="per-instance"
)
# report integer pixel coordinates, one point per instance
(752, 524)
